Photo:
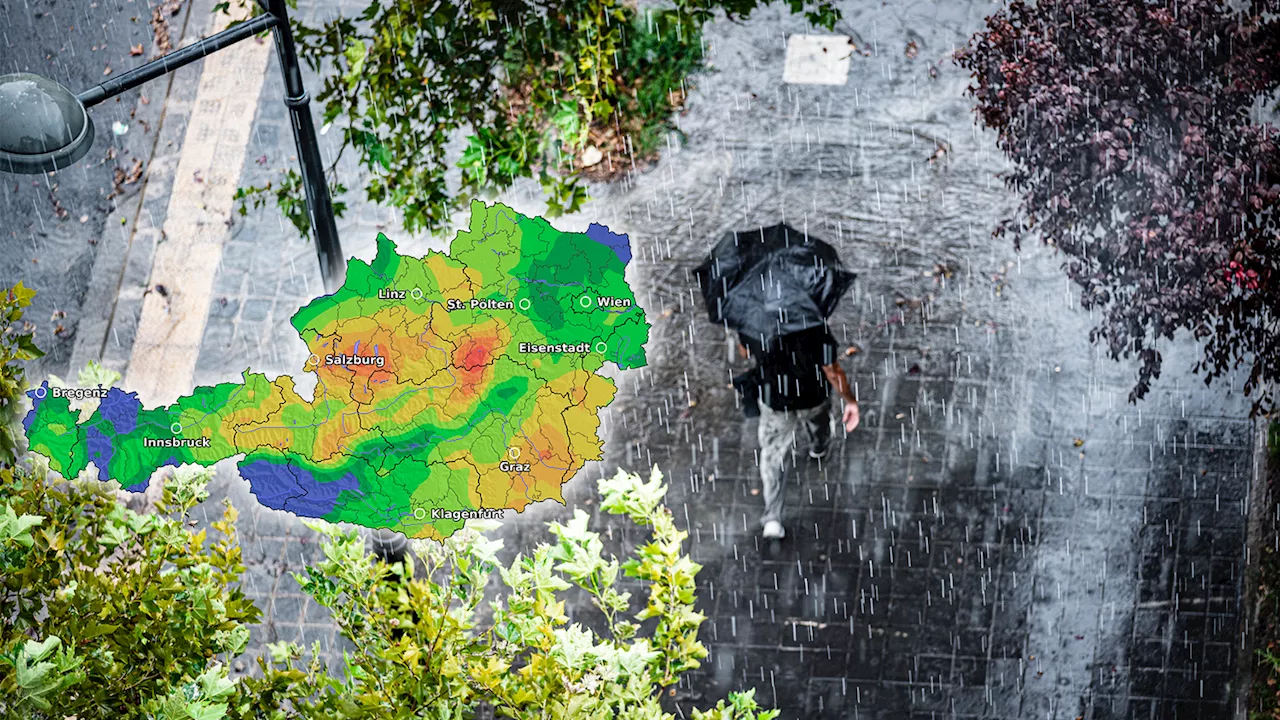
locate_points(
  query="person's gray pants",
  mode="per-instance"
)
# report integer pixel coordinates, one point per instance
(778, 429)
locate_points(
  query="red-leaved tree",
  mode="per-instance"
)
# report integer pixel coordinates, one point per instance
(1131, 130)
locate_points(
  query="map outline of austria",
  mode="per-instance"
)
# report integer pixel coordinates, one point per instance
(448, 386)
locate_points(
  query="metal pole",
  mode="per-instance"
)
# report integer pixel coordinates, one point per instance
(176, 59)
(333, 264)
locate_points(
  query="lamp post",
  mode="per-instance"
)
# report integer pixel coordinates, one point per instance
(45, 127)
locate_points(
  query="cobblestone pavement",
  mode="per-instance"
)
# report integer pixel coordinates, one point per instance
(65, 234)
(1003, 537)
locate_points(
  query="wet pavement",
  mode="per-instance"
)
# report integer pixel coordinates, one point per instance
(58, 228)
(1003, 537)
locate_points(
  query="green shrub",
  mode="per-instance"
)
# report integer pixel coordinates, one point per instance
(112, 614)
(422, 648)
(15, 347)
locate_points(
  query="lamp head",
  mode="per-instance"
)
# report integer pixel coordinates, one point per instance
(43, 125)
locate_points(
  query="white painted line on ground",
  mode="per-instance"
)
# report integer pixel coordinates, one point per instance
(162, 364)
(817, 60)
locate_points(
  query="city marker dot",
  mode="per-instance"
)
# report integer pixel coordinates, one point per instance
(513, 453)
(525, 304)
(584, 301)
(41, 392)
(601, 347)
(176, 428)
(420, 514)
(314, 359)
(416, 294)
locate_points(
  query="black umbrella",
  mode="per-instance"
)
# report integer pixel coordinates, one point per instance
(772, 282)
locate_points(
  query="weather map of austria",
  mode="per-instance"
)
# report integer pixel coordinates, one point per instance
(448, 387)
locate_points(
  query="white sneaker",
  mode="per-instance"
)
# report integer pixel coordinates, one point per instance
(773, 530)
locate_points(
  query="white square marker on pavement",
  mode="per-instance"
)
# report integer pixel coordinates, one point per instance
(817, 60)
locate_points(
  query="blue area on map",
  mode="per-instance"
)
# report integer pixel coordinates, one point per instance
(121, 410)
(37, 397)
(100, 451)
(618, 243)
(284, 487)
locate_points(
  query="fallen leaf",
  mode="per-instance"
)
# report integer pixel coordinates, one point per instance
(135, 172)
(106, 70)
(135, 50)
(851, 351)
(1078, 442)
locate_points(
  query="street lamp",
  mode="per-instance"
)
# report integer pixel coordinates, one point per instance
(46, 127)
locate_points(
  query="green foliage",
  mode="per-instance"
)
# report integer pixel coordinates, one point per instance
(663, 52)
(290, 198)
(561, 92)
(15, 346)
(422, 643)
(112, 614)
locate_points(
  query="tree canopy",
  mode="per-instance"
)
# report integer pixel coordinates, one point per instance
(1132, 130)
(561, 91)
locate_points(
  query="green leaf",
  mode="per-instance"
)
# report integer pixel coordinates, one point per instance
(575, 647)
(35, 651)
(204, 710)
(22, 295)
(355, 53)
(94, 630)
(27, 349)
(18, 527)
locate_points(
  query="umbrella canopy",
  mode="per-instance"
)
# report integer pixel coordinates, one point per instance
(772, 282)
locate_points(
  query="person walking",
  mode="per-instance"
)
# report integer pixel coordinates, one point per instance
(777, 287)
(791, 385)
